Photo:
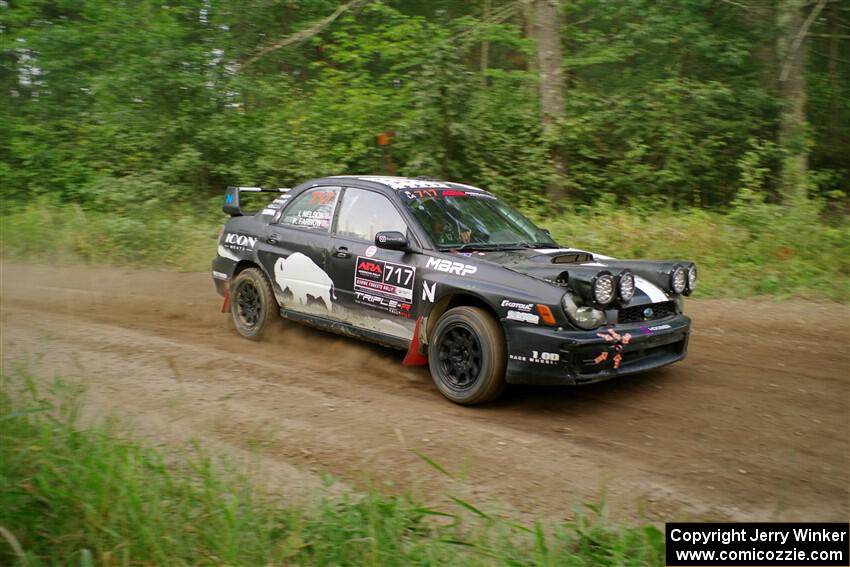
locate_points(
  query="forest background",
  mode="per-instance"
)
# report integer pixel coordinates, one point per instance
(715, 130)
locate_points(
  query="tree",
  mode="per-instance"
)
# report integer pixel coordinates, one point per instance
(792, 50)
(548, 32)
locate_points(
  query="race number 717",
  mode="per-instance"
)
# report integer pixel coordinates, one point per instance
(400, 274)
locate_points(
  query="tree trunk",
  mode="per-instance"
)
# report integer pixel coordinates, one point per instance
(792, 51)
(762, 16)
(832, 71)
(485, 45)
(529, 15)
(548, 32)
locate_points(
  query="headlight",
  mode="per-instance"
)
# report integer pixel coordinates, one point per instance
(692, 278)
(626, 285)
(678, 279)
(584, 317)
(602, 288)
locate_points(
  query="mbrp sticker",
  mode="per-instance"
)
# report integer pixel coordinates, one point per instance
(457, 268)
(384, 285)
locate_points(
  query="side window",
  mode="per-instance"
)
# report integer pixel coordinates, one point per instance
(313, 209)
(363, 213)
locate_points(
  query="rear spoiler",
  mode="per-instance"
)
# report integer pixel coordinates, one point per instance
(231, 197)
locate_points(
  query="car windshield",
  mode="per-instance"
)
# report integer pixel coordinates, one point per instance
(466, 220)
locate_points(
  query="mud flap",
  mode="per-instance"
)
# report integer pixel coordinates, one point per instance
(413, 357)
(225, 307)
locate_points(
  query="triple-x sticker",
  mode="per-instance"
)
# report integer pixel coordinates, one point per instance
(617, 340)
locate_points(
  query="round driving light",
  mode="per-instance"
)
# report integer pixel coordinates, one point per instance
(692, 277)
(603, 288)
(626, 286)
(678, 279)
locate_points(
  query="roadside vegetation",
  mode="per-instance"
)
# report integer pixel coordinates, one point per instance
(74, 494)
(755, 249)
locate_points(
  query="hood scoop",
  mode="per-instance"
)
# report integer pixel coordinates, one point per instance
(572, 258)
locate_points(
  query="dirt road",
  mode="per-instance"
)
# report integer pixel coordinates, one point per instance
(754, 425)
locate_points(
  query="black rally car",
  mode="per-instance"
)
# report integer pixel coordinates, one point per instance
(455, 276)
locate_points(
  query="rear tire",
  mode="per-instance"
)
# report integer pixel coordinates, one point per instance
(467, 356)
(252, 303)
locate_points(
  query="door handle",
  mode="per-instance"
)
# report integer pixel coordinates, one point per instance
(273, 238)
(342, 252)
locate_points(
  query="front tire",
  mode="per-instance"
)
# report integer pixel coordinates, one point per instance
(467, 356)
(252, 303)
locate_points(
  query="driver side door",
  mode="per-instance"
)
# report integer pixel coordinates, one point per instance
(375, 285)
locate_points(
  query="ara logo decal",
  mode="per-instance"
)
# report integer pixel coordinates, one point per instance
(370, 267)
(428, 292)
(457, 268)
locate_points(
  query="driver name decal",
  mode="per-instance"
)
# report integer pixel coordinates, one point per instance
(384, 285)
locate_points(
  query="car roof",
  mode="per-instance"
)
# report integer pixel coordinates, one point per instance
(401, 183)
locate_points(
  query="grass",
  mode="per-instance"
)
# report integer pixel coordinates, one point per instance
(144, 237)
(74, 495)
(773, 251)
(754, 250)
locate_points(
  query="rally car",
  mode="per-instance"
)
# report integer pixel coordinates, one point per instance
(453, 275)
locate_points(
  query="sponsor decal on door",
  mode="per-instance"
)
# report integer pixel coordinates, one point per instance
(384, 285)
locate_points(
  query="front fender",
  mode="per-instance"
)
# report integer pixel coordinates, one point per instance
(498, 290)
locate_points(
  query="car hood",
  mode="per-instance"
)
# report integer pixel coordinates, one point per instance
(544, 263)
(565, 267)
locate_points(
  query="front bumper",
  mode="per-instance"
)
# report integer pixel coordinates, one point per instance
(546, 355)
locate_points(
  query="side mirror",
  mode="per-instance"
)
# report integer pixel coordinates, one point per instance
(391, 240)
(231, 202)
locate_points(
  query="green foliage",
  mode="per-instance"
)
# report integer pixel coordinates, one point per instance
(122, 121)
(662, 98)
(145, 232)
(75, 494)
(758, 249)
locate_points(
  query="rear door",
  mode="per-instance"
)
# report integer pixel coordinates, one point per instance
(295, 249)
(374, 286)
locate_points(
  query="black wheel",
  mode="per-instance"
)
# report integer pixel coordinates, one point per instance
(252, 303)
(467, 356)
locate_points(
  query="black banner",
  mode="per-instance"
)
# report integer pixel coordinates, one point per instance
(758, 544)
